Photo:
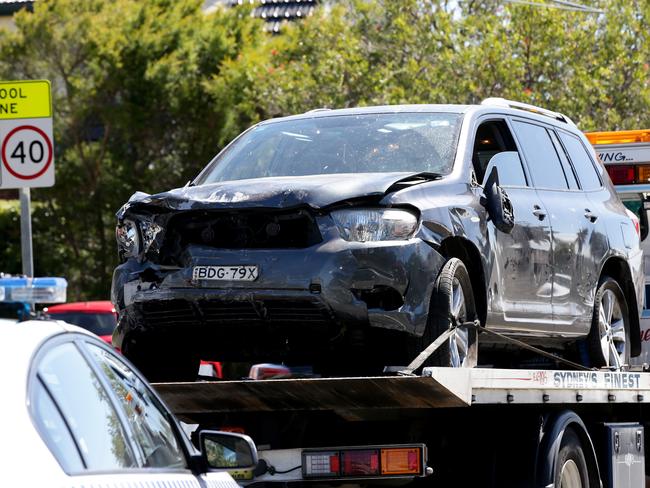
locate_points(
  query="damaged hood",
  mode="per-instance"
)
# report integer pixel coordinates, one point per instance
(317, 191)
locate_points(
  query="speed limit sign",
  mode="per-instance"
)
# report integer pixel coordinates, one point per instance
(26, 147)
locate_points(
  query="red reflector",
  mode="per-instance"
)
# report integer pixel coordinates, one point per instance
(335, 463)
(414, 460)
(267, 371)
(360, 462)
(621, 174)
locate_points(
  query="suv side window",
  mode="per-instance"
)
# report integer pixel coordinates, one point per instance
(581, 162)
(153, 431)
(86, 409)
(493, 137)
(566, 164)
(543, 162)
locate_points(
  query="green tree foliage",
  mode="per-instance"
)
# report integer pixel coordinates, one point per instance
(146, 91)
(591, 66)
(130, 113)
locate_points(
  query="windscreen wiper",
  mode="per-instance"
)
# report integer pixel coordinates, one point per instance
(413, 179)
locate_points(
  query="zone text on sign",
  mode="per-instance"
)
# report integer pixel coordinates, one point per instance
(25, 99)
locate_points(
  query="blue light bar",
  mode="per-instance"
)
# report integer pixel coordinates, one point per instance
(33, 290)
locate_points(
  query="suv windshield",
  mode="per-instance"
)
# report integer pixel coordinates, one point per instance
(365, 143)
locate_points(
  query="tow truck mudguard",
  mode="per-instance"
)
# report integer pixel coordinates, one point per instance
(553, 427)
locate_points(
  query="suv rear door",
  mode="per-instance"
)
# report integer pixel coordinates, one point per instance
(572, 229)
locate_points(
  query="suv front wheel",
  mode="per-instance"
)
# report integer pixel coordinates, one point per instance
(452, 302)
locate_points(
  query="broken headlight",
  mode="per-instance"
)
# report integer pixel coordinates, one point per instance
(128, 238)
(149, 231)
(375, 224)
(134, 238)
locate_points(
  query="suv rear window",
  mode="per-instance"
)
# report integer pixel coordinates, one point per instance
(582, 163)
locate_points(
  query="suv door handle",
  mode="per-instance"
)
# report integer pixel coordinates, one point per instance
(592, 217)
(538, 212)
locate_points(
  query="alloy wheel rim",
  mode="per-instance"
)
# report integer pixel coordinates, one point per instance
(459, 340)
(570, 475)
(611, 326)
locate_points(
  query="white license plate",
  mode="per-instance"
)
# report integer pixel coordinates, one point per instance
(225, 273)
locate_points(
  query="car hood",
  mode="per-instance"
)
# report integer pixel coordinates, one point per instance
(317, 191)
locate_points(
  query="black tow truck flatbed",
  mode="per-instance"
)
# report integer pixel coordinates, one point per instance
(189, 400)
(482, 426)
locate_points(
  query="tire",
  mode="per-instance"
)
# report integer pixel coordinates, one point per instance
(571, 469)
(452, 295)
(161, 362)
(609, 337)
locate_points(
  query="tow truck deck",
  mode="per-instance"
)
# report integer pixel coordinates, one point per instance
(436, 388)
(482, 426)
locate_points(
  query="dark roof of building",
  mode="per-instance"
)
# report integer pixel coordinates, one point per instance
(273, 12)
(277, 12)
(9, 7)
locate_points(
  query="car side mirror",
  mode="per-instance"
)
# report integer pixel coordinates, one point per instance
(497, 203)
(644, 220)
(235, 453)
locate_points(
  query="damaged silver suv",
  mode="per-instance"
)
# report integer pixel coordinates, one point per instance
(360, 235)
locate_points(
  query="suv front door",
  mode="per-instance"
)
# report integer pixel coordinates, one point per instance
(521, 273)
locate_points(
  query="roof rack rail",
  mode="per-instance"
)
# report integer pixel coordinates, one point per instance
(322, 109)
(502, 102)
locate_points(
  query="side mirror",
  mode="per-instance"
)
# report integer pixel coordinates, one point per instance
(497, 203)
(644, 220)
(235, 453)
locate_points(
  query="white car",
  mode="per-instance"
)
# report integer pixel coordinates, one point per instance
(74, 413)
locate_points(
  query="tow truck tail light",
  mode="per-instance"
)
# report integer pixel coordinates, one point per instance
(628, 174)
(360, 463)
(400, 461)
(621, 174)
(643, 173)
(357, 462)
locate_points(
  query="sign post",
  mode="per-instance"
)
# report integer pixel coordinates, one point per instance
(26, 149)
(26, 232)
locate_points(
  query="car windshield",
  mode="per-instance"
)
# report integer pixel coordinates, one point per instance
(97, 323)
(365, 143)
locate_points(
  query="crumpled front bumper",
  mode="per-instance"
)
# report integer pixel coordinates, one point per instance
(333, 285)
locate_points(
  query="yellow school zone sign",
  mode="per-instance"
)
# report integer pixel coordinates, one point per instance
(25, 99)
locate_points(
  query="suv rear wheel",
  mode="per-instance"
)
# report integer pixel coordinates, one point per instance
(609, 337)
